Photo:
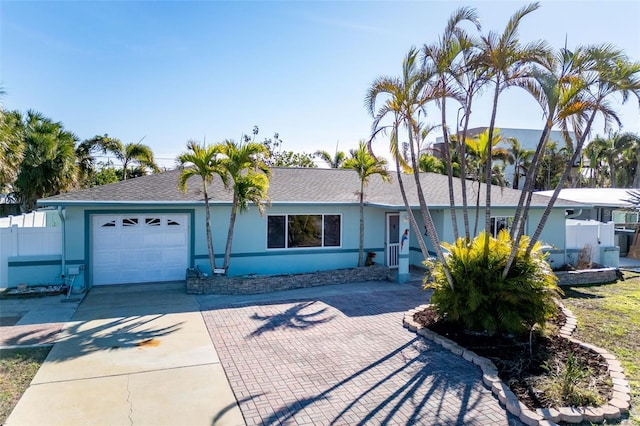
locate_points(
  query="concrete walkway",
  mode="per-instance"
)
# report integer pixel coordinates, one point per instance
(131, 355)
(339, 355)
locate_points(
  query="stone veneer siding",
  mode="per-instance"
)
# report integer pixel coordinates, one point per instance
(587, 276)
(270, 283)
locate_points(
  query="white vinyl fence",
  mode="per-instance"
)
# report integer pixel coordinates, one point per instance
(597, 235)
(19, 241)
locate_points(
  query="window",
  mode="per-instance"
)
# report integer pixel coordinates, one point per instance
(303, 231)
(152, 221)
(109, 224)
(130, 221)
(172, 223)
(499, 223)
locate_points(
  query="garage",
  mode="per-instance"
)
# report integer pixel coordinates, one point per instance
(139, 248)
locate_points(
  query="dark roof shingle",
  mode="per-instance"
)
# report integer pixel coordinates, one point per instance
(295, 186)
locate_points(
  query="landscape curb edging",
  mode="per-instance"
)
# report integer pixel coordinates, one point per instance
(619, 403)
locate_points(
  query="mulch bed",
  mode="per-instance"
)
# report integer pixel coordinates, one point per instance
(511, 355)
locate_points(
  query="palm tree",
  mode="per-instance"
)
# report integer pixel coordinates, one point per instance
(431, 164)
(508, 64)
(11, 147)
(440, 61)
(247, 175)
(520, 158)
(366, 165)
(605, 72)
(407, 97)
(48, 165)
(477, 150)
(620, 152)
(203, 161)
(336, 161)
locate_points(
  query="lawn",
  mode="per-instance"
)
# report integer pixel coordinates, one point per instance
(609, 317)
(17, 368)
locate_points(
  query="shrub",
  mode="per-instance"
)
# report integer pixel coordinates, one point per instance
(481, 300)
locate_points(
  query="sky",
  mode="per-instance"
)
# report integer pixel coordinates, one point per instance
(166, 72)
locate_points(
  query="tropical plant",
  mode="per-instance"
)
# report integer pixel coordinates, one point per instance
(336, 161)
(398, 92)
(508, 64)
(440, 63)
(205, 162)
(481, 299)
(365, 165)
(11, 147)
(48, 165)
(604, 72)
(431, 164)
(617, 157)
(247, 175)
(407, 97)
(520, 158)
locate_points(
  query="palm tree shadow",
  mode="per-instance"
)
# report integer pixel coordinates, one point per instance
(425, 391)
(291, 318)
(108, 336)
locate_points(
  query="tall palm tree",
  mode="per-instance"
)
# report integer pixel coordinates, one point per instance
(335, 161)
(366, 165)
(392, 89)
(247, 175)
(440, 60)
(205, 162)
(508, 64)
(629, 146)
(605, 72)
(407, 96)
(48, 165)
(520, 158)
(620, 152)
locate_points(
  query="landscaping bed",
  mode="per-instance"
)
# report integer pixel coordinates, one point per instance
(536, 380)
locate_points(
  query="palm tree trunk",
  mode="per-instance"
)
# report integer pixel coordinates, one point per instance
(412, 219)
(232, 224)
(489, 166)
(463, 169)
(524, 204)
(447, 158)
(212, 258)
(426, 214)
(361, 245)
(636, 178)
(556, 192)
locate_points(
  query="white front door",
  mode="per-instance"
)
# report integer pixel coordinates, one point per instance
(393, 239)
(137, 248)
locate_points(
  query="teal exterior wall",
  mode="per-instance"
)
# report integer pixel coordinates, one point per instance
(34, 270)
(250, 254)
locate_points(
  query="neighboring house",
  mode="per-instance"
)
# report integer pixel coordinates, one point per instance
(146, 230)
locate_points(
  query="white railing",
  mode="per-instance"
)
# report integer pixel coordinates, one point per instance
(392, 255)
(17, 241)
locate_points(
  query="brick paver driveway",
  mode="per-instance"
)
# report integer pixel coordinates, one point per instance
(345, 359)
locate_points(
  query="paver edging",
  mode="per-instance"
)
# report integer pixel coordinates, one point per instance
(612, 410)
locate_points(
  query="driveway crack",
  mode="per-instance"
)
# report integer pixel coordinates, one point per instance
(129, 401)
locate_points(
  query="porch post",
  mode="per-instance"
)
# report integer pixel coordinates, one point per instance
(403, 253)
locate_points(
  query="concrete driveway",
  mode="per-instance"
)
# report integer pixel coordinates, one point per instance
(131, 355)
(339, 355)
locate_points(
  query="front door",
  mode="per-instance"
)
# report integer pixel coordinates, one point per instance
(393, 239)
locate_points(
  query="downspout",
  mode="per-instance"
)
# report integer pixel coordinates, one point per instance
(61, 213)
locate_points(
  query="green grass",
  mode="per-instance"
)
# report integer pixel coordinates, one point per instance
(17, 368)
(609, 317)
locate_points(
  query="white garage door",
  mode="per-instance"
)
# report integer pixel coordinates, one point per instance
(138, 248)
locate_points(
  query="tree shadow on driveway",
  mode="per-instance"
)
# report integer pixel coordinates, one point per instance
(291, 318)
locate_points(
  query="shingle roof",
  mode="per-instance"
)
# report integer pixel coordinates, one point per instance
(292, 186)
